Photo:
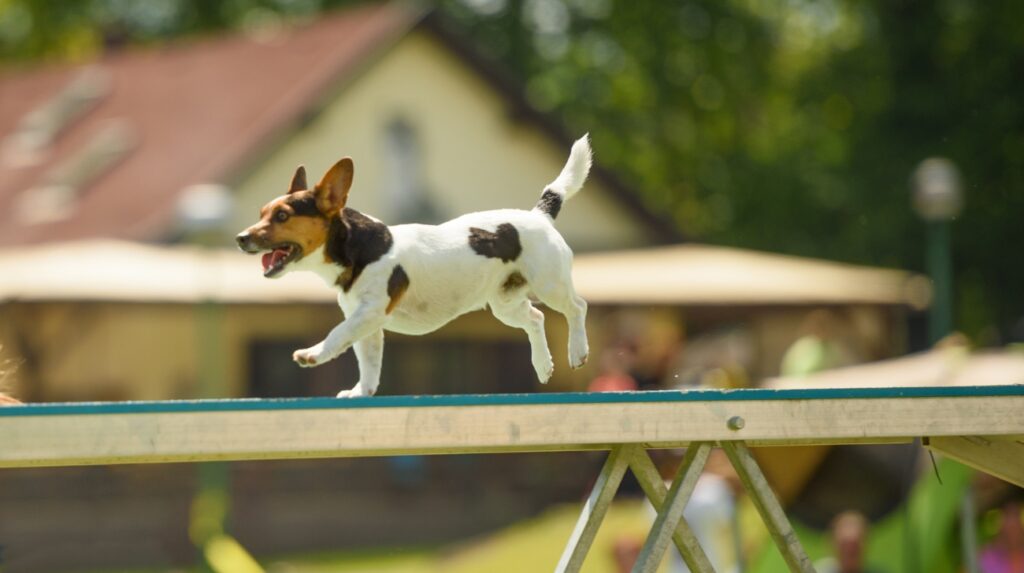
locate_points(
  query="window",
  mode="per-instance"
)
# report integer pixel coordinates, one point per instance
(406, 188)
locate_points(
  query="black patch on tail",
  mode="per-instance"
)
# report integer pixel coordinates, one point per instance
(354, 241)
(398, 283)
(515, 281)
(550, 203)
(502, 244)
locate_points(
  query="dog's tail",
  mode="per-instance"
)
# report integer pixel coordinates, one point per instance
(569, 181)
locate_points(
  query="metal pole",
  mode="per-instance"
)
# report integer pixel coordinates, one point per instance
(968, 532)
(940, 269)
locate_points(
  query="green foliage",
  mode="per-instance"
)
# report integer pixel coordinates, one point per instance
(784, 125)
(794, 126)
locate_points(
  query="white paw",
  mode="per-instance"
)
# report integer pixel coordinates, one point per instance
(545, 368)
(357, 391)
(578, 354)
(577, 361)
(310, 357)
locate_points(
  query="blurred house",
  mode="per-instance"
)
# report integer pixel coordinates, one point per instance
(108, 149)
(106, 294)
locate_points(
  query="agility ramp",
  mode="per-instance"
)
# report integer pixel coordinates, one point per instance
(981, 426)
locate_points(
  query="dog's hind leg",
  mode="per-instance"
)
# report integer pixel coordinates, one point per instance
(370, 354)
(562, 297)
(519, 313)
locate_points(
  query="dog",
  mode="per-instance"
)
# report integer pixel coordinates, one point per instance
(414, 279)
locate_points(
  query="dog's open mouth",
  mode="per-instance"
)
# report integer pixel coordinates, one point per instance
(277, 258)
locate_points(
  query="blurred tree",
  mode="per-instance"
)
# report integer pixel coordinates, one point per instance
(793, 126)
(785, 125)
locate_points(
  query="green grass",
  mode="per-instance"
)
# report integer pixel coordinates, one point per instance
(531, 545)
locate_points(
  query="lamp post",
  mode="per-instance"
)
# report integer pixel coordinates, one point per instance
(938, 199)
(203, 210)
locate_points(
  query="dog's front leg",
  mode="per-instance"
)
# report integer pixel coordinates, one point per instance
(370, 354)
(367, 319)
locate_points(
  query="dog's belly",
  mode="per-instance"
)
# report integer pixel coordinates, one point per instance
(417, 316)
(425, 310)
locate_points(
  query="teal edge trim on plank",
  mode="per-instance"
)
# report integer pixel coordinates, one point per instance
(661, 396)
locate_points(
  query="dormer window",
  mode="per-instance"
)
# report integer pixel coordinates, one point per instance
(56, 197)
(406, 187)
(39, 128)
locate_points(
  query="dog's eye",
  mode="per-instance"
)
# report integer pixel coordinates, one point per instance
(281, 216)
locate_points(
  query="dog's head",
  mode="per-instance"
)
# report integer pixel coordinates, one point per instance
(296, 224)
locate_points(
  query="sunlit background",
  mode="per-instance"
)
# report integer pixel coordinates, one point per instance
(786, 193)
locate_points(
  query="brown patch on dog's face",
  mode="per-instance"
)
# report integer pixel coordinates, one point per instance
(290, 227)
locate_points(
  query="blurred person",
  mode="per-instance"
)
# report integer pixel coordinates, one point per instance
(849, 540)
(1005, 553)
(719, 359)
(818, 348)
(711, 514)
(625, 552)
(616, 362)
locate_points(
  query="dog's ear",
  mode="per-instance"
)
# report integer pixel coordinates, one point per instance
(298, 180)
(332, 190)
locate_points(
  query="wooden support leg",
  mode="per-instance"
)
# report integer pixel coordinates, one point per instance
(654, 487)
(670, 517)
(594, 510)
(768, 506)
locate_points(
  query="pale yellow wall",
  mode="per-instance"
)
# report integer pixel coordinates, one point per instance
(476, 157)
(141, 351)
(104, 351)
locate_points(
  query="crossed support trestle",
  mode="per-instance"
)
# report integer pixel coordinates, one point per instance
(669, 524)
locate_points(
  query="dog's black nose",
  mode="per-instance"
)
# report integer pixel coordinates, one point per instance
(243, 240)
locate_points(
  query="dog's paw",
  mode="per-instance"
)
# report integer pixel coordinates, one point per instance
(578, 351)
(544, 370)
(309, 357)
(357, 391)
(576, 362)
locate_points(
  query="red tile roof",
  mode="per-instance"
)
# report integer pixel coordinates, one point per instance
(195, 111)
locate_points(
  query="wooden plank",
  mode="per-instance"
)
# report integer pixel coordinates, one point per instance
(74, 436)
(768, 506)
(594, 511)
(1003, 458)
(671, 512)
(691, 395)
(653, 485)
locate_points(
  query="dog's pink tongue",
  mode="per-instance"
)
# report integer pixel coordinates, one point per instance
(270, 259)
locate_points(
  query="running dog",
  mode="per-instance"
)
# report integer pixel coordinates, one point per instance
(413, 279)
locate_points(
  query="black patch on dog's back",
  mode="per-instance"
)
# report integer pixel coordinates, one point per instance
(305, 207)
(550, 203)
(502, 244)
(354, 241)
(398, 283)
(514, 281)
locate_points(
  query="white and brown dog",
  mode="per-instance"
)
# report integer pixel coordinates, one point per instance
(413, 279)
